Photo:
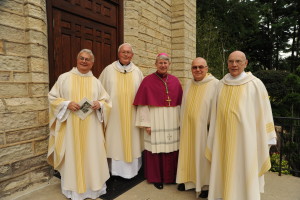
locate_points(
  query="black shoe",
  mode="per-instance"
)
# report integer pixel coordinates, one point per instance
(203, 194)
(159, 185)
(181, 187)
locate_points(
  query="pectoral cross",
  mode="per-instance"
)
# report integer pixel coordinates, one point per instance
(169, 101)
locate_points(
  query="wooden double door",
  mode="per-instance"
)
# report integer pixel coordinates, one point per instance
(77, 24)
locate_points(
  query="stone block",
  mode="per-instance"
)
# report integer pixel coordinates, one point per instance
(38, 64)
(12, 6)
(34, 11)
(132, 14)
(165, 31)
(148, 15)
(9, 186)
(178, 40)
(178, 7)
(41, 175)
(11, 19)
(12, 34)
(26, 134)
(21, 77)
(26, 104)
(159, 36)
(37, 24)
(29, 163)
(14, 153)
(157, 42)
(41, 3)
(43, 117)
(166, 45)
(16, 49)
(2, 138)
(13, 89)
(156, 10)
(141, 45)
(177, 53)
(5, 171)
(178, 25)
(177, 18)
(162, 49)
(146, 38)
(38, 50)
(150, 32)
(9, 121)
(178, 2)
(37, 37)
(1, 45)
(41, 146)
(145, 22)
(39, 89)
(178, 33)
(151, 47)
(13, 63)
(40, 77)
(163, 22)
(4, 76)
(2, 106)
(168, 2)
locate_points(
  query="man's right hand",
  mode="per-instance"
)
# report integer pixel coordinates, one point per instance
(73, 106)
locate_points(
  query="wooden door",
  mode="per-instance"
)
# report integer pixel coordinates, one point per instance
(77, 24)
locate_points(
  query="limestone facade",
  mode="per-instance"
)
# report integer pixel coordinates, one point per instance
(151, 26)
(167, 26)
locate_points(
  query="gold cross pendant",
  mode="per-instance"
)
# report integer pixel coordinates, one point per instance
(169, 101)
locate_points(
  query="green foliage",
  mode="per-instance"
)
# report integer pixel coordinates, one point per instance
(262, 29)
(275, 161)
(284, 91)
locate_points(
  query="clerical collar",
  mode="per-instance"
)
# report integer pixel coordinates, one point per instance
(237, 78)
(161, 75)
(124, 68)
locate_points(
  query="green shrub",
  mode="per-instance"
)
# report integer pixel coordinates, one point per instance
(275, 160)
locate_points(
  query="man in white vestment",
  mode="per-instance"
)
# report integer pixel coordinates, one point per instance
(79, 108)
(240, 134)
(193, 168)
(124, 142)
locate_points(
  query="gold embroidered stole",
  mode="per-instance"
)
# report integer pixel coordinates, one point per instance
(193, 104)
(227, 121)
(81, 87)
(125, 91)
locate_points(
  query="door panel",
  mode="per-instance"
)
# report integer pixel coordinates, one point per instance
(72, 29)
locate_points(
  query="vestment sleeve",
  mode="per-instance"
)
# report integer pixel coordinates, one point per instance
(142, 117)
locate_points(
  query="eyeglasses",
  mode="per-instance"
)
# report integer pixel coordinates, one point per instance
(235, 61)
(126, 52)
(198, 67)
(84, 59)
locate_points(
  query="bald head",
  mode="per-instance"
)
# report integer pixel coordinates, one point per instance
(199, 68)
(199, 60)
(238, 53)
(237, 63)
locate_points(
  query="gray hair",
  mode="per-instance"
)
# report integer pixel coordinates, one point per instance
(88, 51)
(162, 57)
(125, 44)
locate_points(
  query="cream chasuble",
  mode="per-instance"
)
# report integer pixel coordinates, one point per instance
(237, 146)
(76, 147)
(123, 138)
(195, 117)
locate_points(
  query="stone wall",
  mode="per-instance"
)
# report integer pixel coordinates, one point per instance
(23, 95)
(166, 26)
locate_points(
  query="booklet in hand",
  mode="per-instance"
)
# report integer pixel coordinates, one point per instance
(85, 108)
